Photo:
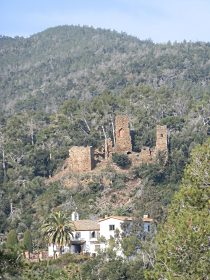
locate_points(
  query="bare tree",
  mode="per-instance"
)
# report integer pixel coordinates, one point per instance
(2, 150)
(31, 127)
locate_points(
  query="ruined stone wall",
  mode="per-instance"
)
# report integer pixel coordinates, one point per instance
(122, 135)
(81, 159)
(161, 138)
(146, 155)
(161, 149)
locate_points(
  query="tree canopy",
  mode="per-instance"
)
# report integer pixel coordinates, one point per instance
(183, 241)
(58, 229)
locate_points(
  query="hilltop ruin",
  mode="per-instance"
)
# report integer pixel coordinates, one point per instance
(85, 159)
(122, 135)
(81, 159)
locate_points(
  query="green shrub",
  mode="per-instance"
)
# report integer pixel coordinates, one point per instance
(121, 160)
(95, 187)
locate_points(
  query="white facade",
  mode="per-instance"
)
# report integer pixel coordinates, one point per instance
(52, 249)
(113, 227)
(91, 236)
(85, 241)
(110, 225)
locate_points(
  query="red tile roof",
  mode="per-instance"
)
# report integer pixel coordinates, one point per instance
(121, 218)
(86, 225)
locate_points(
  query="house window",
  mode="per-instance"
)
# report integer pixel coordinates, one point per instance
(77, 235)
(161, 135)
(93, 234)
(111, 227)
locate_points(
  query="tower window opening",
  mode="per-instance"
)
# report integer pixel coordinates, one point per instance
(121, 132)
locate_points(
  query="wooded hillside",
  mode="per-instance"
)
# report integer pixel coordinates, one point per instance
(42, 71)
(59, 87)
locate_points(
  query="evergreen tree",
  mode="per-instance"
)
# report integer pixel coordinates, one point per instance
(27, 242)
(10, 265)
(183, 243)
(12, 240)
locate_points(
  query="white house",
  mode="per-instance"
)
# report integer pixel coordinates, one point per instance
(113, 227)
(84, 240)
(109, 225)
(85, 237)
(91, 236)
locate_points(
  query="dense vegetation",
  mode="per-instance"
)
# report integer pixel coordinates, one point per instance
(43, 71)
(59, 87)
(183, 243)
(180, 250)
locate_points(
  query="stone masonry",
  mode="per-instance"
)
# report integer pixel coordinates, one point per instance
(122, 135)
(146, 155)
(81, 159)
(161, 138)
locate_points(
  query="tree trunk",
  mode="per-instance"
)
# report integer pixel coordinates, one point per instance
(113, 132)
(61, 250)
(87, 125)
(4, 164)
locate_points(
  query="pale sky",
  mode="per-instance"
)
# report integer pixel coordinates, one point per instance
(159, 20)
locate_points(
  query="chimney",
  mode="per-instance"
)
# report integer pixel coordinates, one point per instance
(75, 216)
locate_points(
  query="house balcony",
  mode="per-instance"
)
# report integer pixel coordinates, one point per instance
(77, 241)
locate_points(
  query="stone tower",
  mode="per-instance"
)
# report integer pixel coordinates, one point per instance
(161, 139)
(122, 135)
(81, 159)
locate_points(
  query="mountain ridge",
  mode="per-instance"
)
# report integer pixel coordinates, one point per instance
(67, 61)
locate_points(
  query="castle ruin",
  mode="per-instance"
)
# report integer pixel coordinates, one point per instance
(149, 155)
(84, 159)
(81, 159)
(146, 155)
(161, 138)
(122, 135)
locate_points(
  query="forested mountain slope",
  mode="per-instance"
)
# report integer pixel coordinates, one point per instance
(59, 87)
(42, 71)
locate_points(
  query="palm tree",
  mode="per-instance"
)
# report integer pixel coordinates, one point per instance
(58, 229)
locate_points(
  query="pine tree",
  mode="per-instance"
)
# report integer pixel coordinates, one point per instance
(27, 242)
(12, 240)
(183, 242)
